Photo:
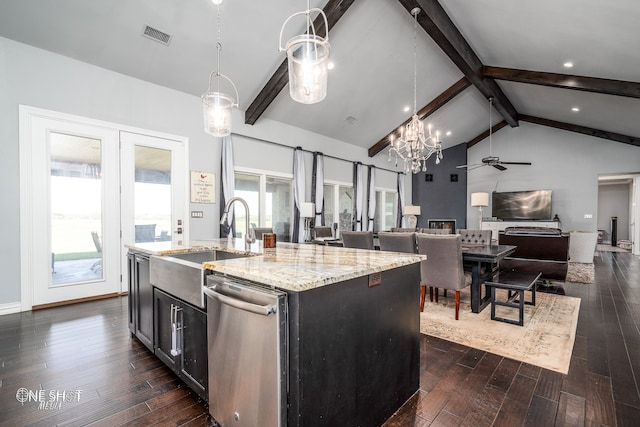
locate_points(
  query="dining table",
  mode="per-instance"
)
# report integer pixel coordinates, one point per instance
(483, 261)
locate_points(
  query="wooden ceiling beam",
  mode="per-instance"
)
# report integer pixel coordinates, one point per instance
(565, 81)
(495, 128)
(334, 9)
(612, 136)
(435, 21)
(425, 111)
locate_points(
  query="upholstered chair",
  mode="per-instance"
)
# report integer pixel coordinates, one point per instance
(402, 230)
(260, 231)
(582, 246)
(434, 231)
(475, 237)
(397, 242)
(443, 266)
(357, 239)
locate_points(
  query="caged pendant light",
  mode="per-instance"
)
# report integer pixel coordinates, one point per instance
(413, 146)
(217, 106)
(308, 58)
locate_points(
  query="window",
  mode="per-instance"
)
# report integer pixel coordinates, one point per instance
(386, 209)
(270, 200)
(338, 206)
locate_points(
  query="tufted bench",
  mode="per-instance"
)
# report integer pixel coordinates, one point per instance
(516, 283)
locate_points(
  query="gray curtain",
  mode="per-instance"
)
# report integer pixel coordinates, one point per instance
(317, 187)
(399, 218)
(358, 195)
(298, 194)
(227, 184)
(371, 205)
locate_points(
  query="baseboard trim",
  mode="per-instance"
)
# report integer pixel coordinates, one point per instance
(10, 308)
(74, 301)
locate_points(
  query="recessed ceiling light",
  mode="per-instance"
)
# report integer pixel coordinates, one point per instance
(575, 109)
(350, 119)
(406, 108)
(568, 64)
(448, 133)
(331, 65)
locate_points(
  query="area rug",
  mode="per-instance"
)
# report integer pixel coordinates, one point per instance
(579, 272)
(546, 339)
(608, 248)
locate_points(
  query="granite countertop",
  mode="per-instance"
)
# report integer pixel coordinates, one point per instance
(289, 266)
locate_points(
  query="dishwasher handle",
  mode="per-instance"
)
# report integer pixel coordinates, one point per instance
(264, 310)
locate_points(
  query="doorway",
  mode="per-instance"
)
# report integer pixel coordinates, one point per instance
(88, 188)
(617, 198)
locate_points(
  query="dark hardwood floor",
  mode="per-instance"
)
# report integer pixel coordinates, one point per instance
(87, 347)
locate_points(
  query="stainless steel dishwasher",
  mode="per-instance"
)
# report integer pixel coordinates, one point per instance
(247, 334)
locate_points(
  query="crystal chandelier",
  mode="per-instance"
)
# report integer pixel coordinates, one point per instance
(307, 58)
(412, 145)
(217, 106)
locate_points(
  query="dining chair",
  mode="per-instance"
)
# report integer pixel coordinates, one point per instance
(475, 237)
(357, 239)
(260, 231)
(443, 266)
(434, 231)
(402, 230)
(397, 242)
(322, 231)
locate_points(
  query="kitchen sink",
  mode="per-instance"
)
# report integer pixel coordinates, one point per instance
(182, 275)
(200, 257)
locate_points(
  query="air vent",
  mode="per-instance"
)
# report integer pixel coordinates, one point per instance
(156, 35)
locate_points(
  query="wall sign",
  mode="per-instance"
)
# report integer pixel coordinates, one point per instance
(203, 187)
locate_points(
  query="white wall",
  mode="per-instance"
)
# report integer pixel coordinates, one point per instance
(565, 162)
(34, 77)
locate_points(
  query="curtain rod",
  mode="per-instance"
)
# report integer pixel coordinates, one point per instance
(309, 151)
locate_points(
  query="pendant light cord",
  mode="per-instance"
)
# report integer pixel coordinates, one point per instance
(415, 62)
(218, 47)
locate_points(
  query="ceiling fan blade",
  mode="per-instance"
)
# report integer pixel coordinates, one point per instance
(516, 163)
(499, 167)
(471, 166)
(476, 166)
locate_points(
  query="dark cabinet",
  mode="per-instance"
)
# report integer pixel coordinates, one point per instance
(181, 340)
(140, 299)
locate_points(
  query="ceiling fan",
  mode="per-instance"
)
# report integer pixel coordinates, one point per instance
(491, 160)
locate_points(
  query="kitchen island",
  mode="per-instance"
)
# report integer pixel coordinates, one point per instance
(352, 324)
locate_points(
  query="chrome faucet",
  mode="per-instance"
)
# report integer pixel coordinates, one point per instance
(250, 235)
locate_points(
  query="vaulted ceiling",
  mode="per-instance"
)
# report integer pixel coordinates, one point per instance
(467, 51)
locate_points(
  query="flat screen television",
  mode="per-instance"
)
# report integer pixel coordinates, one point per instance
(521, 205)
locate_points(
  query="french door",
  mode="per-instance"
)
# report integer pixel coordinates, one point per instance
(87, 189)
(153, 174)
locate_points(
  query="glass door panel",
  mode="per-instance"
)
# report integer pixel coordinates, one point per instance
(75, 209)
(329, 204)
(152, 194)
(247, 186)
(278, 208)
(345, 206)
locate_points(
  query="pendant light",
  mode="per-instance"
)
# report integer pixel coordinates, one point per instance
(308, 59)
(217, 106)
(413, 146)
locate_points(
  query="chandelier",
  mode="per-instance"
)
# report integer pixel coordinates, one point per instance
(308, 58)
(217, 106)
(412, 145)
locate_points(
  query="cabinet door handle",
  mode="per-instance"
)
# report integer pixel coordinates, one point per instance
(176, 331)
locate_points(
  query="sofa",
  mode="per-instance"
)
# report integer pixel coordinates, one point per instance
(544, 250)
